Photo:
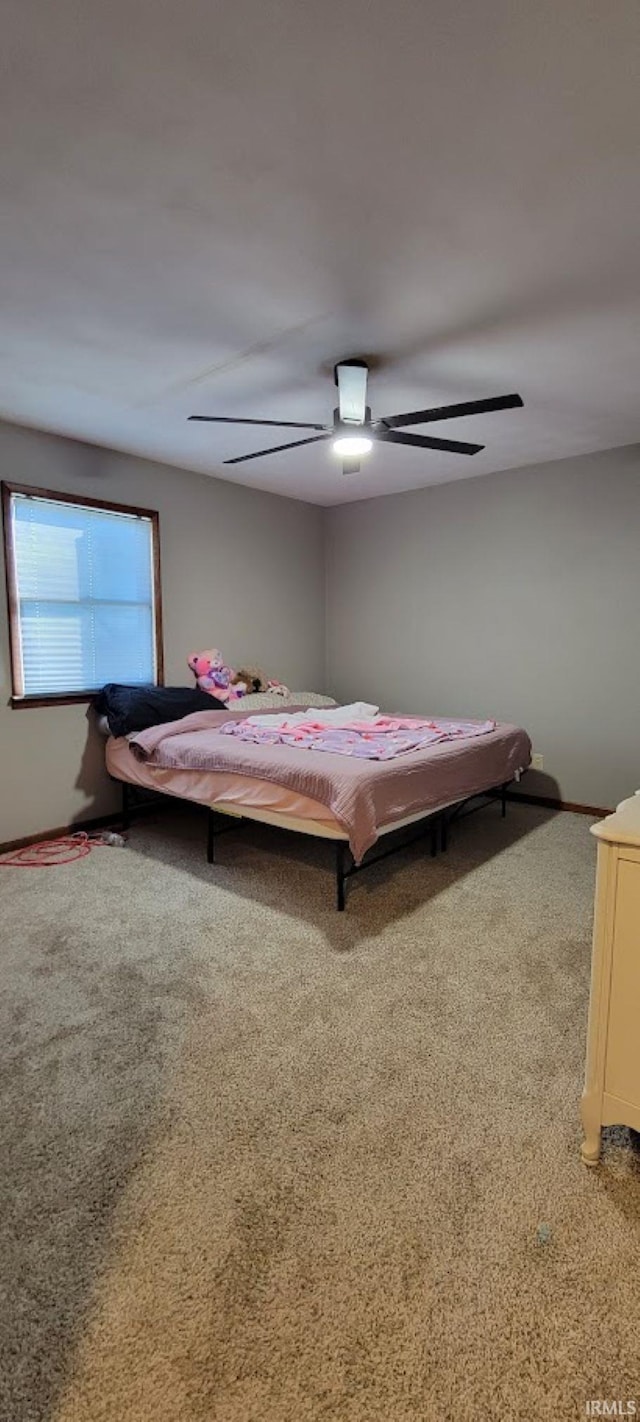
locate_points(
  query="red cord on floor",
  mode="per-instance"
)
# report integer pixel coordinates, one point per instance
(50, 852)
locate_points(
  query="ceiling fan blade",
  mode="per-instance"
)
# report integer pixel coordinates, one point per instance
(232, 420)
(450, 446)
(351, 380)
(276, 449)
(453, 412)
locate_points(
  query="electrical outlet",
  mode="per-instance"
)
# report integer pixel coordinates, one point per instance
(537, 761)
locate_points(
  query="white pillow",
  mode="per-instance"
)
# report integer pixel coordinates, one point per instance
(266, 700)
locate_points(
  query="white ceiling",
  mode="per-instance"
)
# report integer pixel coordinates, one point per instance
(207, 204)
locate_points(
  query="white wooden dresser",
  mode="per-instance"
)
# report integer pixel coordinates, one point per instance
(612, 1087)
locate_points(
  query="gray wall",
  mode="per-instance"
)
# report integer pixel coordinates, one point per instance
(241, 570)
(515, 595)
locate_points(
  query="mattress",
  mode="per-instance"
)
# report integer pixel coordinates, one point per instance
(216, 787)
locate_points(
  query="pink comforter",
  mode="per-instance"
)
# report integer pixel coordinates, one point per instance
(363, 795)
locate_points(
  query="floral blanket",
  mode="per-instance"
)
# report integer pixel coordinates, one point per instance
(381, 738)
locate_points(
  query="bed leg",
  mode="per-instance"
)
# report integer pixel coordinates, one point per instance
(503, 800)
(126, 806)
(435, 833)
(444, 834)
(340, 875)
(210, 835)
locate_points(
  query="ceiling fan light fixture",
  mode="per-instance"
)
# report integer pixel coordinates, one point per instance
(352, 446)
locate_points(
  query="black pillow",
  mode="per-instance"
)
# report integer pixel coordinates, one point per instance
(134, 708)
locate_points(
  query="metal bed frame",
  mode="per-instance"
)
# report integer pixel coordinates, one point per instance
(435, 823)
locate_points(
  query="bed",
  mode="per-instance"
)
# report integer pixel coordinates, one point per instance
(354, 803)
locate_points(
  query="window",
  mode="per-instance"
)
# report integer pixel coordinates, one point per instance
(83, 582)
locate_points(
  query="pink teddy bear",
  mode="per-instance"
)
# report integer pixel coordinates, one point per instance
(213, 675)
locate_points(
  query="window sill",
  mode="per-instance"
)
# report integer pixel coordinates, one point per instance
(67, 698)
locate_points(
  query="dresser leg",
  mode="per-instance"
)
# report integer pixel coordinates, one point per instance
(591, 1149)
(591, 1125)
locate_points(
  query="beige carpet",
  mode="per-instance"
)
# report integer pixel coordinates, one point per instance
(264, 1163)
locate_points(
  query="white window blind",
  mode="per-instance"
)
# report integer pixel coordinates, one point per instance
(84, 581)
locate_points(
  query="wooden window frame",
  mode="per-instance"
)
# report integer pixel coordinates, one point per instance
(68, 698)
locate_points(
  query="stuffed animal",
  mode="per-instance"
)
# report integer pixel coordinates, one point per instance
(213, 675)
(252, 678)
(256, 680)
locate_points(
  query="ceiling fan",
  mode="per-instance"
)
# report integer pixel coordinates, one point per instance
(353, 431)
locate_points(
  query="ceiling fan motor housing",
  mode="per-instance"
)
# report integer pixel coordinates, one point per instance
(351, 379)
